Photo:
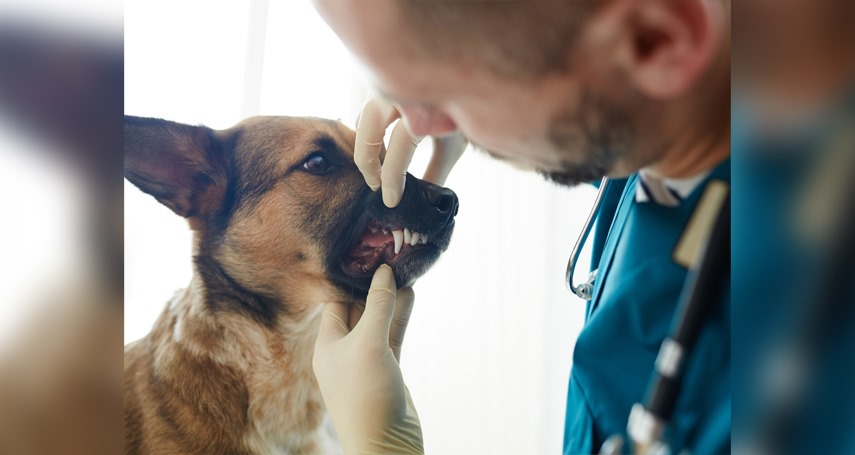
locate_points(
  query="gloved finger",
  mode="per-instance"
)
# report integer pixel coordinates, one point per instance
(379, 306)
(355, 314)
(446, 151)
(402, 146)
(333, 324)
(382, 146)
(382, 155)
(404, 303)
(410, 404)
(376, 116)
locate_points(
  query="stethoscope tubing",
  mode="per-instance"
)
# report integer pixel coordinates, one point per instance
(584, 290)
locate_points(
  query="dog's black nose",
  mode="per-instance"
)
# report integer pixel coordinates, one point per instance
(442, 199)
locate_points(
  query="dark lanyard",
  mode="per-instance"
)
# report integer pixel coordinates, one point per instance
(700, 294)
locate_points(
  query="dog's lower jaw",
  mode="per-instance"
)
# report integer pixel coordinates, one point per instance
(221, 383)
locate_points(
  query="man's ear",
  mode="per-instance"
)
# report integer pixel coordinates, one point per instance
(665, 46)
(182, 166)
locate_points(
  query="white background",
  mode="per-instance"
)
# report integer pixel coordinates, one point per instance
(489, 346)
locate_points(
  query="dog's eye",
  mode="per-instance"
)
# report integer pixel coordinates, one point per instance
(317, 163)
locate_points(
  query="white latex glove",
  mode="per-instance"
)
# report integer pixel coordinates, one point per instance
(389, 171)
(356, 363)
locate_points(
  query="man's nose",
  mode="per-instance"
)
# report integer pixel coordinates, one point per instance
(421, 121)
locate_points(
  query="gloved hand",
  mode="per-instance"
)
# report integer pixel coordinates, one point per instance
(356, 363)
(377, 114)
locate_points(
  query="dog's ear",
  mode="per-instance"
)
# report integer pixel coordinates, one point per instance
(182, 166)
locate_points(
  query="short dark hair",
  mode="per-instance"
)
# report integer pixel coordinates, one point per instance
(515, 38)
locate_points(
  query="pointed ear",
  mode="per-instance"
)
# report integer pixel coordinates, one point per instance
(182, 166)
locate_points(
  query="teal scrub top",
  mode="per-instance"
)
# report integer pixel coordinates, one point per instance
(772, 267)
(633, 305)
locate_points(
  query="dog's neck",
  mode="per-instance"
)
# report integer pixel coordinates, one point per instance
(272, 358)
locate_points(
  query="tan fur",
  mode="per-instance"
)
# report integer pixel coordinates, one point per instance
(240, 369)
(208, 382)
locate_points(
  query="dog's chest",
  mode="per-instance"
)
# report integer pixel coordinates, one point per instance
(321, 441)
(286, 412)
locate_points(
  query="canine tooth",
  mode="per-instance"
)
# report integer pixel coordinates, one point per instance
(398, 235)
(407, 236)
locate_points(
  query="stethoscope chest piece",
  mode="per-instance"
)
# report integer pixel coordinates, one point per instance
(585, 290)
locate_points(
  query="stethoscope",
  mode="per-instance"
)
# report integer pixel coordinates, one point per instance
(585, 290)
(647, 421)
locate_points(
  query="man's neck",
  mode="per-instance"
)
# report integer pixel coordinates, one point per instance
(688, 159)
(698, 126)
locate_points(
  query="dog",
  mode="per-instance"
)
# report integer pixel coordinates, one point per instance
(283, 222)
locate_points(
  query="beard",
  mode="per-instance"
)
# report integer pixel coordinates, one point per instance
(593, 137)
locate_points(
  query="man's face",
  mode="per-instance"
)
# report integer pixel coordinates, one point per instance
(558, 124)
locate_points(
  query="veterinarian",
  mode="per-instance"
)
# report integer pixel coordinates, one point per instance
(635, 90)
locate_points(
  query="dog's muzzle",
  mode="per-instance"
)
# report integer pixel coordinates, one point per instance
(409, 237)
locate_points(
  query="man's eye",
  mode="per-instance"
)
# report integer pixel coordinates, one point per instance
(317, 163)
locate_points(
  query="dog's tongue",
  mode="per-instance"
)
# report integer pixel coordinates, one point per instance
(374, 245)
(376, 240)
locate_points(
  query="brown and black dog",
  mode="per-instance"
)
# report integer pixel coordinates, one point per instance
(283, 222)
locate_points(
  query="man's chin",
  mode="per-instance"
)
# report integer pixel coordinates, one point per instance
(575, 177)
(601, 162)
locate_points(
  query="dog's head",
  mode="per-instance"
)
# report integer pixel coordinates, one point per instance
(277, 205)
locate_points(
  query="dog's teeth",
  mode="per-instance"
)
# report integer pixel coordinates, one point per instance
(414, 239)
(398, 235)
(407, 236)
(423, 239)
